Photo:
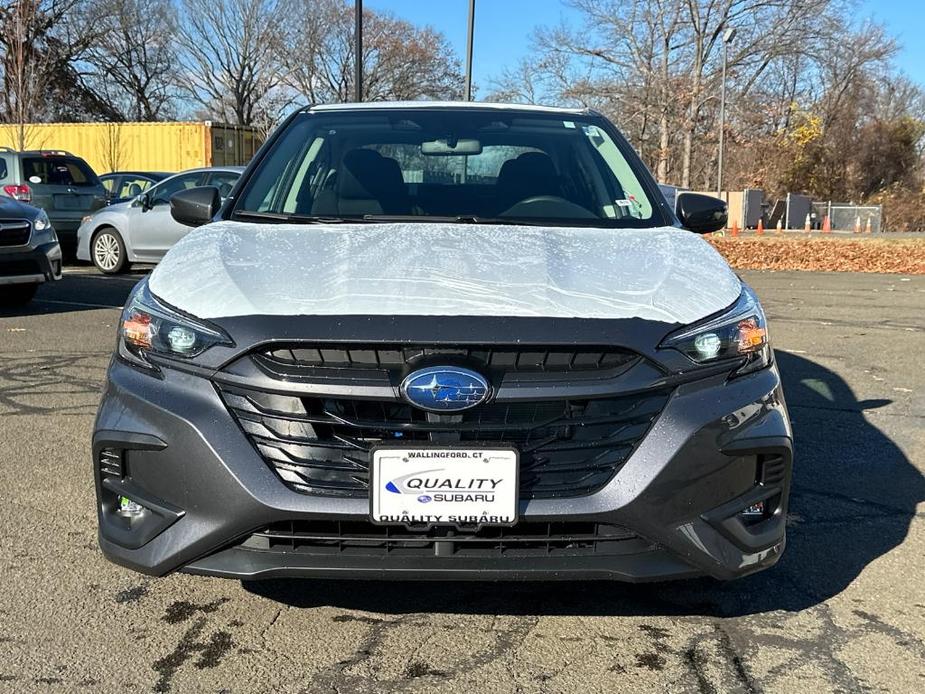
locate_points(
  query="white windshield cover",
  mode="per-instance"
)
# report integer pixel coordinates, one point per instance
(230, 269)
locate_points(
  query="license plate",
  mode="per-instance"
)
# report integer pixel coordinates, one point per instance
(444, 486)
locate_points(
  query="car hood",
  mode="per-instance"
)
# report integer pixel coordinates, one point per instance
(13, 208)
(228, 269)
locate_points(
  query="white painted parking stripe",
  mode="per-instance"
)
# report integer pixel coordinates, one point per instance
(74, 303)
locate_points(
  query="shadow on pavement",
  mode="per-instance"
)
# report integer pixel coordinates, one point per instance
(81, 290)
(854, 495)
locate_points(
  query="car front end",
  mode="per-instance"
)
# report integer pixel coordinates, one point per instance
(647, 450)
(453, 397)
(113, 215)
(29, 250)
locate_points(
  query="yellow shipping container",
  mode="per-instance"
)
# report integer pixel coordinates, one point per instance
(141, 146)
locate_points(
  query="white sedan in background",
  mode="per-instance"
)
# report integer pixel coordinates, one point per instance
(141, 230)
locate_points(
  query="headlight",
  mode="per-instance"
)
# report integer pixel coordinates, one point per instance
(740, 333)
(150, 327)
(41, 222)
(42, 227)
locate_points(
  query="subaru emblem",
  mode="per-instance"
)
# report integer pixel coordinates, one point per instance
(445, 388)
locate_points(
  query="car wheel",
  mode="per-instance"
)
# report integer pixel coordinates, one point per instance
(107, 251)
(17, 294)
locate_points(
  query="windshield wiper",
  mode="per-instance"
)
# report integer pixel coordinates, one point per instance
(457, 219)
(294, 218)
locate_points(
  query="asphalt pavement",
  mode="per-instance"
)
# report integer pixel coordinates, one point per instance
(844, 610)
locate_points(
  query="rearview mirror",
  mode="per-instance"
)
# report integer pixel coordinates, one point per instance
(701, 213)
(451, 146)
(195, 206)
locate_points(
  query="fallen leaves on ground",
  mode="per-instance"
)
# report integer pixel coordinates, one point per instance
(903, 256)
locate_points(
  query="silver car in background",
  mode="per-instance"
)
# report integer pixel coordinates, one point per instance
(141, 230)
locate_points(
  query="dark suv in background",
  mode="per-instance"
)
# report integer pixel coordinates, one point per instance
(60, 183)
(29, 252)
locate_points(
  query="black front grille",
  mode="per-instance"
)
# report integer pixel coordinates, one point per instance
(321, 445)
(361, 538)
(508, 358)
(15, 232)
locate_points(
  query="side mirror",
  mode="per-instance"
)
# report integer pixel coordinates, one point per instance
(701, 213)
(195, 206)
(142, 201)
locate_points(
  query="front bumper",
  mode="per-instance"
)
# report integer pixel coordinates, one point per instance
(67, 228)
(82, 239)
(207, 491)
(30, 265)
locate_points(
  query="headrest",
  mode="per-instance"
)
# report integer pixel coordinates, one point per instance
(362, 174)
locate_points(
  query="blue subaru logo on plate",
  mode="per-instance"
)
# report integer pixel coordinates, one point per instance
(445, 388)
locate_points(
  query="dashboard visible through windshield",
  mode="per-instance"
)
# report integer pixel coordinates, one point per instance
(449, 164)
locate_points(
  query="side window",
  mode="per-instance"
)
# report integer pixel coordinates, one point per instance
(132, 187)
(224, 181)
(163, 191)
(636, 202)
(5, 170)
(109, 184)
(309, 178)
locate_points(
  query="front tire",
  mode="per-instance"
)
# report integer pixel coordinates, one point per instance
(13, 295)
(107, 251)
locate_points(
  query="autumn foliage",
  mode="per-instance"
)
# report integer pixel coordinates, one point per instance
(831, 254)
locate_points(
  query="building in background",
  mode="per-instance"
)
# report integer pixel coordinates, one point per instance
(142, 146)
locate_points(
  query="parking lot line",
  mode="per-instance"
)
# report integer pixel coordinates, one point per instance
(75, 303)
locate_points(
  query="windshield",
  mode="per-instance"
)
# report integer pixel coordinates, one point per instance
(465, 165)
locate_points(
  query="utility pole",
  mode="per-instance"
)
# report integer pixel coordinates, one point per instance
(469, 50)
(358, 59)
(728, 36)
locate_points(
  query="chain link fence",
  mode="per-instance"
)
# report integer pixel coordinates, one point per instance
(847, 217)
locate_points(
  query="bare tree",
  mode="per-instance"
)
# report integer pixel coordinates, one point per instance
(636, 69)
(41, 46)
(400, 60)
(655, 66)
(229, 54)
(112, 146)
(27, 58)
(131, 64)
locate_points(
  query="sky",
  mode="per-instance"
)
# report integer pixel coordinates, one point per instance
(503, 28)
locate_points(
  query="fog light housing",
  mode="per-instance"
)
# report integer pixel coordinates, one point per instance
(128, 508)
(753, 511)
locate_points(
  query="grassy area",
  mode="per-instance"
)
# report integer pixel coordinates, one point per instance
(792, 252)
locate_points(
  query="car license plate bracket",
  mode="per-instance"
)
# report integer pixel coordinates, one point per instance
(459, 486)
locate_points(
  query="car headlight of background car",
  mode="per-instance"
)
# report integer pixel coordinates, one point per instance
(42, 230)
(741, 332)
(148, 327)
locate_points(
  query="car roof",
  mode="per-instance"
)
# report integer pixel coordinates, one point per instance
(473, 105)
(230, 169)
(161, 174)
(48, 153)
